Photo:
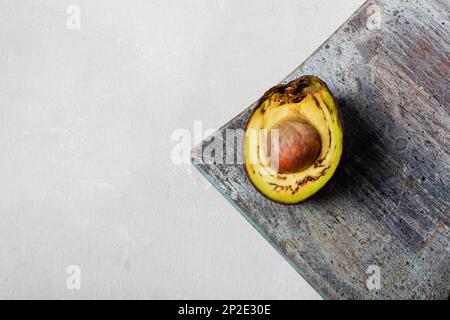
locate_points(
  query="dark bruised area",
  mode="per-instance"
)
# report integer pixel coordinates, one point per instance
(292, 92)
(388, 203)
(294, 188)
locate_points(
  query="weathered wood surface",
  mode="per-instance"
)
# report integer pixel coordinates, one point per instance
(388, 203)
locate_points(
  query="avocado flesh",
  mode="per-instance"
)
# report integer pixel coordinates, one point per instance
(306, 98)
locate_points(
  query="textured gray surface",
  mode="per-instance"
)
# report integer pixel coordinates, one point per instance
(388, 204)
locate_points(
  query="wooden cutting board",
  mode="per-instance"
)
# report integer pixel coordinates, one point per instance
(385, 214)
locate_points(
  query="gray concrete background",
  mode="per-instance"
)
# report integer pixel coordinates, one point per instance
(86, 118)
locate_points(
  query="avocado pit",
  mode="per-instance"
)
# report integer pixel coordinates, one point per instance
(297, 144)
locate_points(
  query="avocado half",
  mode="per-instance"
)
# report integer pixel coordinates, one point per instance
(308, 140)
